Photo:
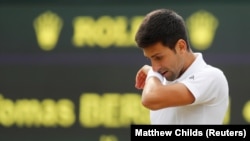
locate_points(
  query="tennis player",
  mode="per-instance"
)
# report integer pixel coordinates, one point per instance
(179, 87)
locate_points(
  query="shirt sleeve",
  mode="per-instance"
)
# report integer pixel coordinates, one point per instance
(204, 85)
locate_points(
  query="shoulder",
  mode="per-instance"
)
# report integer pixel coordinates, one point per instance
(211, 72)
(207, 83)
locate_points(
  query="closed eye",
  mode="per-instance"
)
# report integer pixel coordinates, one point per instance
(158, 58)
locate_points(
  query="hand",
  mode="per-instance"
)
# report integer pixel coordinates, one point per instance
(141, 76)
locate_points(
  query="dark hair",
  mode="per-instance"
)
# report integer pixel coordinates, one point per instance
(161, 25)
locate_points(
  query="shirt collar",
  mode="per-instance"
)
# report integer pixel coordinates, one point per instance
(198, 64)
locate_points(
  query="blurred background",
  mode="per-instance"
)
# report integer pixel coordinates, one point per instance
(67, 68)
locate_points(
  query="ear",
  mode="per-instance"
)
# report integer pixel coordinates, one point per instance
(181, 46)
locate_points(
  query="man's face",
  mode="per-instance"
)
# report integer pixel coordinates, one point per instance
(165, 61)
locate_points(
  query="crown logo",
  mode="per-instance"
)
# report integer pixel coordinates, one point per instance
(47, 27)
(202, 26)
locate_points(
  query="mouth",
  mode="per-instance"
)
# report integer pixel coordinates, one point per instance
(163, 73)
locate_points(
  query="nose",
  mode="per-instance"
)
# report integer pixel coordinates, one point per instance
(156, 66)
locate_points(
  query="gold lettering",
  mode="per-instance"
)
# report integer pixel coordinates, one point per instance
(120, 31)
(135, 23)
(6, 112)
(131, 110)
(84, 31)
(227, 116)
(105, 31)
(31, 112)
(28, 113)
(90, 110)
(108, 138)
(110, 109)
(246, 111)
(66, 116)
(50, 116)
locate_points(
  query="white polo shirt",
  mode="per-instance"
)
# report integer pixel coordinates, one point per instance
(210, 89)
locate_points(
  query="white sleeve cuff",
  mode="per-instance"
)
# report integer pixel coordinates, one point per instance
(152, 73)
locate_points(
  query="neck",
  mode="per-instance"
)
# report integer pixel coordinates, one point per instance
(190, 58)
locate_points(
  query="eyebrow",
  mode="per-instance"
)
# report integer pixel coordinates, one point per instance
(154, 55)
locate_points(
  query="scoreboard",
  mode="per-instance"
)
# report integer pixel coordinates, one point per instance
(67, 70)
